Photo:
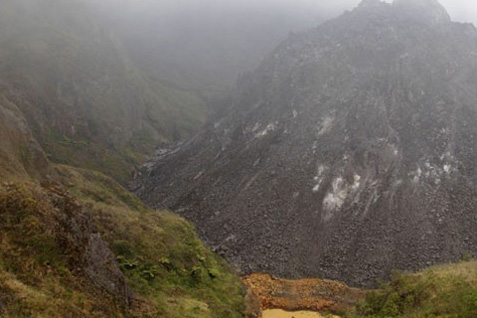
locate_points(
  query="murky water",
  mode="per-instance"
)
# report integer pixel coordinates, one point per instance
(278, 313)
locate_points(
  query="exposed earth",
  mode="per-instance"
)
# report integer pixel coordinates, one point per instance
(306, 295)
(278, 313)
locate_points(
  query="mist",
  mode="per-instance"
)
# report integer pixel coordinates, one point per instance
(460, 10)
(205, 45)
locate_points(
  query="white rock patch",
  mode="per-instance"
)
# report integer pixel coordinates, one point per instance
(270, 127)
(318, 178)
(326, 125)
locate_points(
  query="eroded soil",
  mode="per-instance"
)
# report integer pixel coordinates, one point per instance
(309, 295)
(278, 313)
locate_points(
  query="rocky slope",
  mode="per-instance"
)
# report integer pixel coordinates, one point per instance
(349, 152)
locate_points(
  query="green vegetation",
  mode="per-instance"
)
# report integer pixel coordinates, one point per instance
(69, 94)
(35, 277)
(165, 261)
(448, 291)
(20, 156)
(95, 187)
(159, 252)
(169, 269)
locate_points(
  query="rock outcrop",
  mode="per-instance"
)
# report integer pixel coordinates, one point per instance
(88, 254)
(349, 152)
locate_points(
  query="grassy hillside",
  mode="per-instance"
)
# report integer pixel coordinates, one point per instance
(159, 252)
(20, 155)
(448, 291)
(86, 103)
(49, 266)
(42, 272)
(81, 246)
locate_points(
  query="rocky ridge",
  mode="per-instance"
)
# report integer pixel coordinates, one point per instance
(349, 152)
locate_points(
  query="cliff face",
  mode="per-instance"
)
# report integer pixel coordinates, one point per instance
(349, 152)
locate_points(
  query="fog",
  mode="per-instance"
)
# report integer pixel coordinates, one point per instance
(205, 44)
(460, 10)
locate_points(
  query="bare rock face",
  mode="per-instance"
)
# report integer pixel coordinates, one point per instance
(424, 10)
(351, 151)
(89, 255)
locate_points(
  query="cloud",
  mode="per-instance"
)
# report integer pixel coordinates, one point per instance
(460, 10)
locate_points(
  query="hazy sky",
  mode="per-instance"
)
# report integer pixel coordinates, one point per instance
(460, 10)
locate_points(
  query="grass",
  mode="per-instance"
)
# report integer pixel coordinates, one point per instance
(164, 260)
(447, 291)
(159, 252)
(96, 187)
(173, 274)
(20, 158)
(35, 277)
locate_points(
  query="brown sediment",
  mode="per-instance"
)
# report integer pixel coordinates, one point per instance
(307, 294)
(279, 313)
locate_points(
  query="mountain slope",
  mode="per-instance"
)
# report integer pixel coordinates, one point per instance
(104, 255)
(86, 102)
(349, 152)
(74, 242)
(20, 154)
(96, 250)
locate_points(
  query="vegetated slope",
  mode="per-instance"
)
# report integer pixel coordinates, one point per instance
(96, 251)
(348, 153)
(55, 263)
(86, 103)
(20, 154)
(443, 291)
(160, 253)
